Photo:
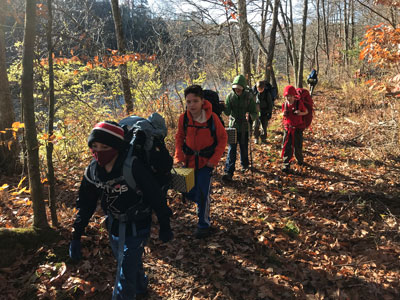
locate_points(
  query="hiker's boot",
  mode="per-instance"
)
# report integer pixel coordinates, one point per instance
(227, 177)
(202, 233)
(245, 169)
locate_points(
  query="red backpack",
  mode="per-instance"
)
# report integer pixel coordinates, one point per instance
(305, 97)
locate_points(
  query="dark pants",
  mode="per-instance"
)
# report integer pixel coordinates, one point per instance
(288, 149)
(243, 140)
(132, 277)
(311, 84)
(200, 194)
(263, 120)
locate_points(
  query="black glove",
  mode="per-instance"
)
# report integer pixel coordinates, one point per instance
(75, 250)
(165, 234)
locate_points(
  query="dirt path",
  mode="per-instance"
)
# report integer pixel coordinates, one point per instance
(328, 231)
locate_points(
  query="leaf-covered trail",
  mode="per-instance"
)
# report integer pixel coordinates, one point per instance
(328, 231)
(323, 232)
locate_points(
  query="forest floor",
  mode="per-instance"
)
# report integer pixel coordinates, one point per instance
(330, 230)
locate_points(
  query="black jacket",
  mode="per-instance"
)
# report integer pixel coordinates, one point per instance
(265, 101)
(118, 198)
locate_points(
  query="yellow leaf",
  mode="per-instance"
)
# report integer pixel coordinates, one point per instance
(19, 192)
(17, 125)
(4, 186)
(21, 181)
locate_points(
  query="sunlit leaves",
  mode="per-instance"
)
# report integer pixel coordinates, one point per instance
(381, 45)
(3, 187)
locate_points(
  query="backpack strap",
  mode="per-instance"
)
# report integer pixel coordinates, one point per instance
(205, 152)
(210, 125)
(127, 168)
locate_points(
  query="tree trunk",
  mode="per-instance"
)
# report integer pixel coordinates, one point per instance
(346, 32)
(50, 129)
(326, 22)
(261, 55)
(286, 40)
(303, 45)
(353, 26)
(316, 57)
(35, 185)
(123, 70)
(272, 40)
(245, 51)
(232, 42)
(9, 149)
(293, 43)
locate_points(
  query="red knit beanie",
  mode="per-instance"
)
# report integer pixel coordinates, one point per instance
(289, 90)
(108, 133)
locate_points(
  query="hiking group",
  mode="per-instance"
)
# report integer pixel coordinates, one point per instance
(131, 167)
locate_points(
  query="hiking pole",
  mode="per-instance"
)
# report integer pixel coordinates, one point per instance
(251, 152)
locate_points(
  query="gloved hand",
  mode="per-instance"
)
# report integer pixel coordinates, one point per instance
(165, 234)
(75, 250)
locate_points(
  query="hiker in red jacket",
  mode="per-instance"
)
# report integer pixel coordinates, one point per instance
(293, 112)
(199, 143)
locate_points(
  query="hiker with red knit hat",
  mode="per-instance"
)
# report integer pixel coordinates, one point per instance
(128, 210)
(293, 112)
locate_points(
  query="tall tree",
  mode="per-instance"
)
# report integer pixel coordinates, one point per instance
(35, 184)
(272, 40)
(261, 55)
(326, 30)
(50, 129)
(123, 70)
(245, 49)
(302, 45)
(8, 145)
(315, 60)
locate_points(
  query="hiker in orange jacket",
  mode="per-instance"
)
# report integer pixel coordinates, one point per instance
(200, 143)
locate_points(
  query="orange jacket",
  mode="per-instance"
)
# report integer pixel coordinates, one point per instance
(199, 138)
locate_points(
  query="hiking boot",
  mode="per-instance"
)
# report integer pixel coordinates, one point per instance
(286, 170)
(141, 287)
(202, 233)
(227, 177)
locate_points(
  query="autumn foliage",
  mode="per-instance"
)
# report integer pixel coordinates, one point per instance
(380, 48)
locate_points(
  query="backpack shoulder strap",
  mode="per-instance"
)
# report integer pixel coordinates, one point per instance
(185, 122)
(211, 125)
(90, 172)
(127, 169)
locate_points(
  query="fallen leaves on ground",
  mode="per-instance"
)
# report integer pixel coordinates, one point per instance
(330, 230)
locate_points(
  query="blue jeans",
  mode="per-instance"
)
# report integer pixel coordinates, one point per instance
(200, 194)
(132, 278)
(243, 140)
